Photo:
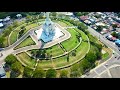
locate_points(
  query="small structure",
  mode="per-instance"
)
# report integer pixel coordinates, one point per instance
(7, 19)
(2, 72)
(87, 22)
(100, 24)
(1, 20)
(1, 25)
(49, 31)
(19, 16)
(117, 42)
(83, 18)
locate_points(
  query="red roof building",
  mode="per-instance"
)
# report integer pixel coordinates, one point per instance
(83, 18)
(113, 38)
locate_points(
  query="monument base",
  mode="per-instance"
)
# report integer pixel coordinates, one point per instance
(41, 35)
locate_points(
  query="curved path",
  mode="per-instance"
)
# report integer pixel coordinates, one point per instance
(10, 50)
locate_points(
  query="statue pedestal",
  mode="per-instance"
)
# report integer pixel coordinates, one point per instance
(47, 38)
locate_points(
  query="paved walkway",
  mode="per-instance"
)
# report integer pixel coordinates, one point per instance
(104, 69)
(10, 50)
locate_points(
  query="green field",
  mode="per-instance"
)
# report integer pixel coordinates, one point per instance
(72, 42)
(45, 64)
(30, 27)
(105, 56)
(55, 50)
(14, 35)
(27, 42)
(26, 59)
(64, 23)
(62, 61)
(80, 52)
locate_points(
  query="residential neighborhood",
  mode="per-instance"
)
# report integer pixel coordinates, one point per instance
(106, 23)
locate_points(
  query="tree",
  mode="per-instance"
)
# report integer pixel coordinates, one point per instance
(1, 41)
(114, 26)
(75, 71)
(17, 67)
(99, 28)
(15, 24)
(54, 14)
(10, 59)
(51, 73)
(39, 73)
(63, 74)
(27, 72)
(91, 57)
(84, 65)
(34, 53)
(73, 53)
(22, 31)
(114, 34)
(8, 30)
(28, 18)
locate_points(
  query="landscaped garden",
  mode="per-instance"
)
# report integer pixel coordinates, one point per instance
(26, 59)
(27, 42)
(70, 58)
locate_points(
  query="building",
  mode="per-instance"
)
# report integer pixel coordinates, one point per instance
(1, 20)
(2, 72)
(117, 42)
(83, 18)
(18, 15)
(6, 19)
(1, 25)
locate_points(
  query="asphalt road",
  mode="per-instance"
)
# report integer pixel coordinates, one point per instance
(104, 40)
(102, 70)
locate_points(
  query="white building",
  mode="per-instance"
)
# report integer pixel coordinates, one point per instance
(18, 15)
(1, 20)
(1, 25)
(7, 19)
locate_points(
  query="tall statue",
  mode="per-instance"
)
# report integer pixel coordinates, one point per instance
(47, 15)
(48, 26)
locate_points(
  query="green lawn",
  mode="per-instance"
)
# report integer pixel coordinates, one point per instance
(55, 50)
(64, 23)
(80, 52)
(26, 59)
(72, 42)
(13, 37)
(27, 42)
(6, 41)
(45, 64)
(105, 56)
(30, 27)
(62, 61)
(8, 74)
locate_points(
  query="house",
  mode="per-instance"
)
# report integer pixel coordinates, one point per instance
(1, 20)
(104, 31)
(1, 25)
(7, 19)
(83, 18)
(18, 15)
(114, 39)
(92, 20)
(117, 42)
(100, 24)
(2, 72)
(87, 22)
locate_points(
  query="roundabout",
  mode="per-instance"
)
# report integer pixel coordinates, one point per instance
(59, 53)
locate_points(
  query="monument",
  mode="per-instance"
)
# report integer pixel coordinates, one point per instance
(49, 31)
